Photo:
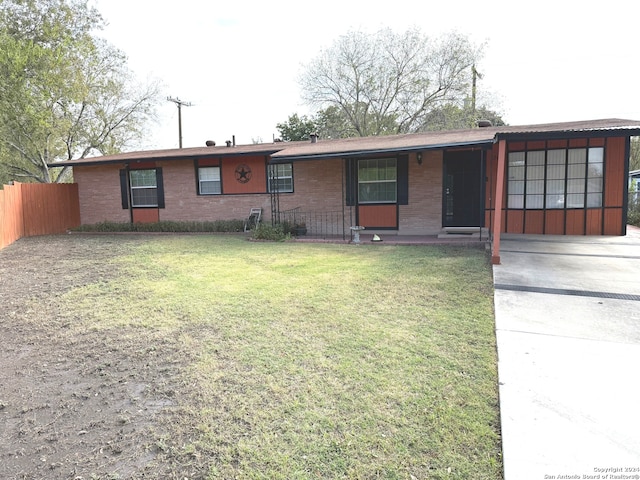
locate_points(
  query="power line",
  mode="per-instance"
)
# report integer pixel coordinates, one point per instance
(180, 104)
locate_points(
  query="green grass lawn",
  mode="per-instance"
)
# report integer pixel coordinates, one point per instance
(318, 360)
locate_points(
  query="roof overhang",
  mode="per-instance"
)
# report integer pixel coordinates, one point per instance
(143, 157)
(287, 152)
(631, 131)
(277, 159)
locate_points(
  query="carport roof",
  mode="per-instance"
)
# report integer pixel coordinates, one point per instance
(284, 152)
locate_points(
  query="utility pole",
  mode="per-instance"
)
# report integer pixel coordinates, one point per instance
(180, 104)
(476, 75)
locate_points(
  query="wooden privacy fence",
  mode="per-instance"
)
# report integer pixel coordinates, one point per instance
(30, 209)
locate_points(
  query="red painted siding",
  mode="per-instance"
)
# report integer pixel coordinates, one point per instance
(593, 221)
(378, 216)
(534, 221)
(575, 222)
(145, 215)
(244, 175)
(554, 222)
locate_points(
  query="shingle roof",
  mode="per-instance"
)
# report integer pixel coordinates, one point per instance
(289, 151)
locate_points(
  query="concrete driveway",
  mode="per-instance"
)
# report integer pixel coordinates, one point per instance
(568, 331)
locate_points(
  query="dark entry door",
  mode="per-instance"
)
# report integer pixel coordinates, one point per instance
(463, 189)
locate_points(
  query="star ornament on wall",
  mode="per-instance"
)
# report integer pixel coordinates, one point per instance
(243, 173)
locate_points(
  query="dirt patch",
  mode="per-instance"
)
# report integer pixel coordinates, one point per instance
(84, 404)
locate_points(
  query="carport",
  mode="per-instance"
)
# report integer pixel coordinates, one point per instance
(568, 335)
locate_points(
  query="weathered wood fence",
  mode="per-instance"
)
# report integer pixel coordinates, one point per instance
(30, 209)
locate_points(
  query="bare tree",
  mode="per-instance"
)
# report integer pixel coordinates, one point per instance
(388, 83)
(66, 94)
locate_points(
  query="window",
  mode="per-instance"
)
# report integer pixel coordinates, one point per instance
(209, 181)
(595, 176)
(281, 178)
(144, 188)
(377, 180)
(559, 178)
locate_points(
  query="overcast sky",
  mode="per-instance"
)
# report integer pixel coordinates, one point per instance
(238, 61)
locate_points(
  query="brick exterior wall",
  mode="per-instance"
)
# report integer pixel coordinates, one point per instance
(182, 203)
(318, 187)
(423, 215)
(99, 193)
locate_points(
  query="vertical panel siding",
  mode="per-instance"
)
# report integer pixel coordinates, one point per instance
(515, 222)
(591, 221)
(614, 175)
(554, 222)
(613, 221)
(575, 222)
(534, 221)
(614, 181)
(594, 222)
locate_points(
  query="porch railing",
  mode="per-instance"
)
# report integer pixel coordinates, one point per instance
(313, 224)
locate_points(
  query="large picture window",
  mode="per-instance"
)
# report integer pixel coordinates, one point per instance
(559, 178)
(209, 181)
(377, 180)
(281, 178)
(144, 188)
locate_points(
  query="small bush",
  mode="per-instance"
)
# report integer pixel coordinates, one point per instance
(218, 226)
(633, 216)
(275, 233)
(633, 210)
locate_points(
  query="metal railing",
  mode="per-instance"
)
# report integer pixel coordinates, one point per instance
(312, 224)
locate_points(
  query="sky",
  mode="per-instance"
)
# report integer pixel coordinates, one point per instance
(238, 62)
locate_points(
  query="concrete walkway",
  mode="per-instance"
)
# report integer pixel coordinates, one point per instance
(568, 332)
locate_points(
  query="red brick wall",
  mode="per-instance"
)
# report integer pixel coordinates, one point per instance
(318, 187)
(423, 215)
(99, 192)
(182, 203)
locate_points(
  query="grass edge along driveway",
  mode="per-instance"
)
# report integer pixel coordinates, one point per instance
(316, 360)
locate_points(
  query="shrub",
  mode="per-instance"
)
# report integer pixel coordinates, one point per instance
(265, 231)
(217, 226)
(633, 208)
(633, 215)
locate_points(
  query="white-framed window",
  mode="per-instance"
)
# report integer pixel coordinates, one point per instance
(378, 180)
(557, 178)
(209, 181)
(281, 178)
(144, 188)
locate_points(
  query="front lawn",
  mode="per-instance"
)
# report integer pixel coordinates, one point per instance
(313, 360)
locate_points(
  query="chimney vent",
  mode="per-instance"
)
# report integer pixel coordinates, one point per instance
(484, 123)
(210, 143)
(228, 142)
(314, 137)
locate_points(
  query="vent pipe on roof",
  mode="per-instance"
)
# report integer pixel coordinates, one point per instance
(210, 143)
(233, 138)
(314, 137)
(228, 142)
(484, 123)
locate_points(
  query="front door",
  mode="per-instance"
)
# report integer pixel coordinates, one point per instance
(463, 189)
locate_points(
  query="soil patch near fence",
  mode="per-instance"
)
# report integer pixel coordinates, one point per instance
(82, 404)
